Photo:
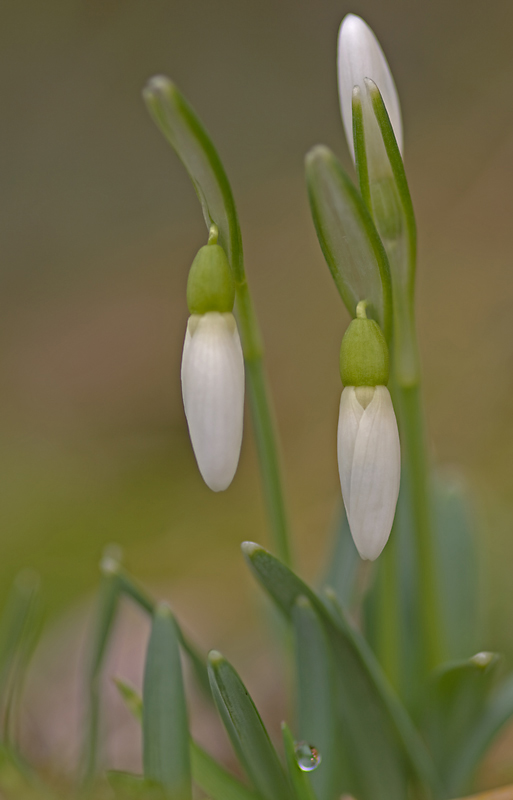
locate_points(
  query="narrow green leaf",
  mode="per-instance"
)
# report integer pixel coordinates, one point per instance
(184, 131)
(454, 704)
(215, 780)
(300, 782)
(318, 722)
(107, 605)
(165, 727)
(360, 152)
(348, 238)
(246, 730)
(397, 166)
(497, 712)
(383, 747)
(343, 566)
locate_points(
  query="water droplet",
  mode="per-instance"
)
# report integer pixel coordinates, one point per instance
(307, 756)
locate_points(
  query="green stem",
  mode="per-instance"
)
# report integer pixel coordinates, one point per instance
(413, 435)
(263, 423)
(388, 637)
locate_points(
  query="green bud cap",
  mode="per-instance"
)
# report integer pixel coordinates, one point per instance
(210, 285)
(364, 359)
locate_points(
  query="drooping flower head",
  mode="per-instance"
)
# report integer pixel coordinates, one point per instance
(368, 448)
(213, 369)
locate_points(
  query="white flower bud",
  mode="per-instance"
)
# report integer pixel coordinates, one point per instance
(369, 461)
(213, 395)
(360, 56)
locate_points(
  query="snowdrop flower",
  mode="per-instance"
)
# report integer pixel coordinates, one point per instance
(360, 56)
(368, 447)
(213, 369)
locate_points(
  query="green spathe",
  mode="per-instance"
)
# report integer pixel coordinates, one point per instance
(210, 286)
(364, 359)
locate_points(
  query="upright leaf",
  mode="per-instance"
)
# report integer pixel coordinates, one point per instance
(348, 238)
(299, 780)
(210, 776)
(316, 690)
(246, 730)
(165, 727)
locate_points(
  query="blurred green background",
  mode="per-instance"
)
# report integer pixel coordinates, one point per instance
(99, 225)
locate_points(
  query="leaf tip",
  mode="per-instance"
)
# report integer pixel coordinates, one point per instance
(163, 610)
(157, 86)
(249, 549)
(215, 658)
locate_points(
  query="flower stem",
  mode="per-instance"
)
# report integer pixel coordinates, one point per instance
(263, 422)
(412, 427)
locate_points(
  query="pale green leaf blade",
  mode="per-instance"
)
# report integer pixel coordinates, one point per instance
(348, 238)
(299, 780)
(165, 726)
(383, 747)
(186, 134)
(316, 684)
(246, 730)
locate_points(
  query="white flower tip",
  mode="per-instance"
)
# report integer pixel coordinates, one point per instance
(213, 395)
(369, 460)
(360, 56)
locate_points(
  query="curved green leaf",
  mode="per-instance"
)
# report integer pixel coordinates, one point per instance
(165, 727)
(246, 730)
(348, 238)
(184, 131)
(383, 748)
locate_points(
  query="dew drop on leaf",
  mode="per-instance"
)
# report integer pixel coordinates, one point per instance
(307, 756)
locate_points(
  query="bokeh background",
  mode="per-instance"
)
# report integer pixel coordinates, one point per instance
(99, 225)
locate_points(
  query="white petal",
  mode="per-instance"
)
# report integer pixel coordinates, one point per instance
(360, 56)
(349, 417)
(213, 395)
(370, 482)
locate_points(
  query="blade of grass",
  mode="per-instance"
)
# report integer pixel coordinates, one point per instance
(165, 726)
(246, 730)
(300, 782)
(315, 693)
